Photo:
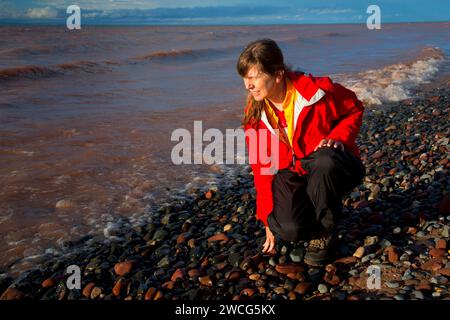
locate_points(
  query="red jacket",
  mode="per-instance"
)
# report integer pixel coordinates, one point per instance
(323, 109)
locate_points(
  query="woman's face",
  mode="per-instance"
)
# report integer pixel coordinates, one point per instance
(260, 84)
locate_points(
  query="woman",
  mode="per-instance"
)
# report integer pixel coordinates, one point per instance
(314, 123)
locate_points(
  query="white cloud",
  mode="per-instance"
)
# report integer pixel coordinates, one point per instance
(41, 13)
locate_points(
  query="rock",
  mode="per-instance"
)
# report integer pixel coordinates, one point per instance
(285, 268)
(118, 286)
(303, 288)
(247, 292)
(418, 295)
(164, 262)
(12, 294)
(218, 237)
(209, 194)
(87, 289)
(123, 268)
(441, 244)
(227, 227)
(205, 281)
(159, 296)
(377, 155)
(178, 274)
(359, 253)
(254, 276)
(296, 255)
(50, 282)
(346, 260)
(160, 235)
(331, 279)
(96, 292)
(369, 241)
(168, 285)
(392, 254)
(193, 273)
(445, 272)
(424, 286)
(235, 259)
(64, 205)
(396, 230)
(392, 284)
(330, 268)
(191, 243)
(150, 294)
(322, 288)
(437, 253)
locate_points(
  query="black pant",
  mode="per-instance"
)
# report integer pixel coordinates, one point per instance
(312, 202)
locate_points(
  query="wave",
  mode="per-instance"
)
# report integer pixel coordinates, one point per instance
(182, 53)
(34, 72)
(393, 82)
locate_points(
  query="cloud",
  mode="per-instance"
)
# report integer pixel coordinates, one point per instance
(42, 13)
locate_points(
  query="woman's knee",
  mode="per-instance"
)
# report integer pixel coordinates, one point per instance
(324, 160)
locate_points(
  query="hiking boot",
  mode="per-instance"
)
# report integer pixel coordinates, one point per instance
(320, 249)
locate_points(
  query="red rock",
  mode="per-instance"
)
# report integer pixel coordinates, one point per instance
(205, 281)
(437, 253)
(123, 268)
(330, 268)
(285, 268)
(221, 265)
(424, 286)
(117, 289)
(347, 260)
(443, 206)
(254, 276)
(234, 276)
(445, 272)
(159, 296)
(182, 238)
(303, 288)
(292, 296)
(411, 230)
(96, 292)
(331, 279)
(377, 155)
(169, 285)
(87, 289)
(392, 254)
(248, 292)
(178, 274)
(431, 265)
(191, 243)
(218, 237)
(236, 298)
(50, 282)
(441, 244)
(12, 294)
(150, 294)
(209, 194)
(193, 273)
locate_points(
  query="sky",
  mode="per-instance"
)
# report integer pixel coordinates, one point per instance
(213, 12)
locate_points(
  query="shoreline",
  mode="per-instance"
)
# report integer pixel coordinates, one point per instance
(208, 247)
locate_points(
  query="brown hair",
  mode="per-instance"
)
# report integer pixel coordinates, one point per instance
(266, 54)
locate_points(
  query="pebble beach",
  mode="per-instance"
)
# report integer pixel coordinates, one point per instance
(208, 246)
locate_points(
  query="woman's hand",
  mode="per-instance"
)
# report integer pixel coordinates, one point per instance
(269, 245)
(330, 143)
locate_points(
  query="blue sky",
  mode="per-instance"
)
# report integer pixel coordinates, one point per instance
(175, 12)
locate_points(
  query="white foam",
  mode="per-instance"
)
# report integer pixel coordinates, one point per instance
(394, 82)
